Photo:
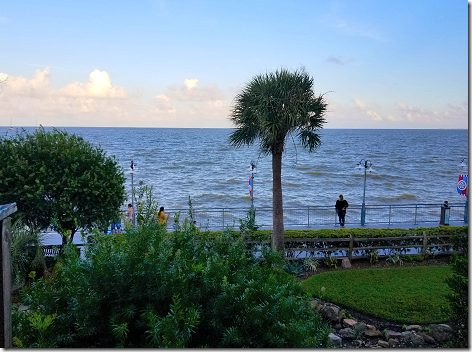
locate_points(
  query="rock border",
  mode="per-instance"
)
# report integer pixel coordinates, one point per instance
(347, 332)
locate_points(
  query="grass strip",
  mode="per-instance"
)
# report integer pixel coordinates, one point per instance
(406, 295)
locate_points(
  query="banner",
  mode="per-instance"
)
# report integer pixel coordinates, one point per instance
(462, 185)
(250, 186)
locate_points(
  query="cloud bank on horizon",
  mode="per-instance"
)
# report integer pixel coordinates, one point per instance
(380, 68)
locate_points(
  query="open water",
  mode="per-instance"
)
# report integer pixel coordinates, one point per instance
(409, 166)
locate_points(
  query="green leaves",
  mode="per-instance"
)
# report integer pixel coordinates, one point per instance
(55, 175)
(275, 104)
(176, 290)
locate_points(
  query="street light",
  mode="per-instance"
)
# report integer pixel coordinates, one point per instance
(253, 171)
(465, 164)
(365, 165)
(132, 189)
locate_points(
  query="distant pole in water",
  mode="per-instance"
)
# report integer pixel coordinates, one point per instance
(132, 190)
(367, 164)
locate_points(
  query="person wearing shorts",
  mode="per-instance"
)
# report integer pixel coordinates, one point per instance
(115, 225)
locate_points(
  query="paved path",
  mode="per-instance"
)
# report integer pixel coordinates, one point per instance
(371, 226)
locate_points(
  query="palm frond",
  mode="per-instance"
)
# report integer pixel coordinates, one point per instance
(275, 104)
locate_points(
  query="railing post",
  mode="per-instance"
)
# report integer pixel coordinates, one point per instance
(351, 246)
(425, 243)
(223, 219)
(389, 213)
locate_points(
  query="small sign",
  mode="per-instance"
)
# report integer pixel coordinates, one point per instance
(462, 185)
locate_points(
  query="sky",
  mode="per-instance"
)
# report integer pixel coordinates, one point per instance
(181, 63)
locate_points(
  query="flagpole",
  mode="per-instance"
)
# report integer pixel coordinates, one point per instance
(466, 207)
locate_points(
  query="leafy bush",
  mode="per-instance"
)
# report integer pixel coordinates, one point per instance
(373, 256)
(311, 263)
(331, 262)
(458, 282)
(395, 258)
(150, 288)
(60, 180)
(26, 252)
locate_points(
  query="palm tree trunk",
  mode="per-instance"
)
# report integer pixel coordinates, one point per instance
(277, 205)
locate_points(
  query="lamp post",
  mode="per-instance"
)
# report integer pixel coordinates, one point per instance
(364, 164)
(132, 189)
(253, 171)
(465, 164)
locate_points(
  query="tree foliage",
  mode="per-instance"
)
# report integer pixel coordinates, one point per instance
(271, 107)
(149, 288)
(59, 180)
(459, 298)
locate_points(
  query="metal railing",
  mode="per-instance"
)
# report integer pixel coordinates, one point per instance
(309, 216)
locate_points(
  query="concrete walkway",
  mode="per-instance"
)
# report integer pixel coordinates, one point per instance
(370, 226)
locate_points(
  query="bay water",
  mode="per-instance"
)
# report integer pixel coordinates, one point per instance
(408, 166)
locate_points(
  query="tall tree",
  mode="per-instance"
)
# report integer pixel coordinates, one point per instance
(271, 107)
(59, 180)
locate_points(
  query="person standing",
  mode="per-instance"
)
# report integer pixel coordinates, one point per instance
(161, 216)
(341, 205)
(116, 226)
(129, 214)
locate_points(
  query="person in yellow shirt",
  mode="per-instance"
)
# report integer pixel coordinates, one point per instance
(161, 216)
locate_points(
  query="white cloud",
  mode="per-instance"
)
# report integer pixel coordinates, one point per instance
(451, 117)
(361, 106)
(98, 86)
(192, 103)
(37, 86)
(191, 83)
(358, 114)
(97, 102)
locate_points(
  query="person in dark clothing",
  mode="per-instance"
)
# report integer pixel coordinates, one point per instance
(341, 205)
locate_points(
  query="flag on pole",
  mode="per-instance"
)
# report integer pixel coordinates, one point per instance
(462, 185)
(250, 186)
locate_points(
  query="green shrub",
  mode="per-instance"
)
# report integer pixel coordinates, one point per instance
(330, 261)
(362, 232)
(395, 258)
(26, 252)
(149, 288)
(459, 298)
(373, 256)
(418, 258)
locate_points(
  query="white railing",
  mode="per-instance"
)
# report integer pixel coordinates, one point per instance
(310, 216)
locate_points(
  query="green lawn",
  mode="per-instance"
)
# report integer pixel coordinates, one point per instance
(406, 295)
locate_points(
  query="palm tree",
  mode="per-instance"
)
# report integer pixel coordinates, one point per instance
(271, 107)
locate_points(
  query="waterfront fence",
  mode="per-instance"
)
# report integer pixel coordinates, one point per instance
(368, 247)
(348, 247)
(310, 216)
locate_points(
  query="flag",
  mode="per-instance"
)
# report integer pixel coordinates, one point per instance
(462, 185)
(250, 186)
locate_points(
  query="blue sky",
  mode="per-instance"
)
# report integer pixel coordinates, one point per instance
(383, 64)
